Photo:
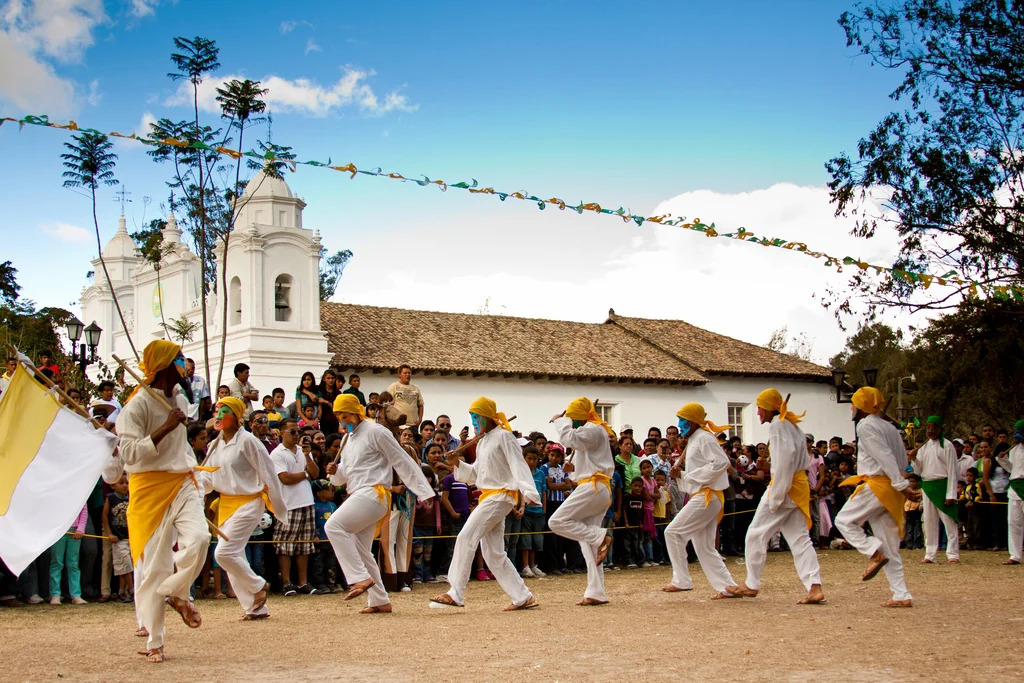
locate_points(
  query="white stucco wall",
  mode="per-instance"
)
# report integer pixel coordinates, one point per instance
(639, 405)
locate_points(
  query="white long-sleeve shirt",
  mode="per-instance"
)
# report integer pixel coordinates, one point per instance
(500, 465)
(935, 461)
(788, 447)
(244, 469)
(142, 416)
(370, 455)
(1013, 461)
(707, 465)
(880, 451)
(590, 448)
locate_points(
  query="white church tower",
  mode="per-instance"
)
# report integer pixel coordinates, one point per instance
(273, 294)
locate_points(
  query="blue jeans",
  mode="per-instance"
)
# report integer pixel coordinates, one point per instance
(254, 556)
(64, 553)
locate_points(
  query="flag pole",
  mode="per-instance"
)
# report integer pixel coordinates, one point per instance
(72, 403)
(162, 399)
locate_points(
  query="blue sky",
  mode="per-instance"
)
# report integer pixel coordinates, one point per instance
(643, 104)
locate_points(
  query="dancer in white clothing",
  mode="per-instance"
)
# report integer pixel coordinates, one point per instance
(368, 456)
(579, 518)
(704, 479)
(1013, 462)
(937, 464)
(505, 482)
(785, 506)
(880, 494)
(248, 486)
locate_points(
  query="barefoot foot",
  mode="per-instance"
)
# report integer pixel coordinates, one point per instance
(588, 602)
(815, 596)
(898, 603)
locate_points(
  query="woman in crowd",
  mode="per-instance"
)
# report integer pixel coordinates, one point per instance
(329, 389)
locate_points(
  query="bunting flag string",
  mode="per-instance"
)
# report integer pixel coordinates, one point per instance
(914, 278)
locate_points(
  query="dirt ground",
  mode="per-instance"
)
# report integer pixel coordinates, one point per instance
(643, 634)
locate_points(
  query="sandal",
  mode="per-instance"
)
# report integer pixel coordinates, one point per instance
(141, 632)
(602, 550)
(156, 655)
(745, 592)
(1010, 562)
(529, 604)
(376, 609)
(898, 603)
(259, 599)
(249, 616)
(189, 614)
(446, 600)
(674, 589)
(359, 588)
(873, 568)
(725, 595)
(590, 602)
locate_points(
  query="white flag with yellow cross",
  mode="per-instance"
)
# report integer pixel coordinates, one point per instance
(50, 461)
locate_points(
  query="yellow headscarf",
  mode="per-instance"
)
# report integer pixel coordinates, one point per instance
(236, 406)
(485, 407)
(583, 409)
(156, 356)
(771, 399)
(869, 400)
(694, 412)
(348, 403)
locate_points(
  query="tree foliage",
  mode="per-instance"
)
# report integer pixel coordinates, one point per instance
(9, 287)
(331, 268)
(949, 165)
(879, 346)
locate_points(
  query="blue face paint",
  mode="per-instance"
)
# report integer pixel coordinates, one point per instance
(179, 363)
(349, 427)
(685, 426)
(1019, 436)
(478, 422)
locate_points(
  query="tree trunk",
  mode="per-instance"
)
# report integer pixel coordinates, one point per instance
(202, 240)
(106, 274)
(224, 262)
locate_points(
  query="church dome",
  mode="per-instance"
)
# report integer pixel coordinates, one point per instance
(263, 185)
(121, 245)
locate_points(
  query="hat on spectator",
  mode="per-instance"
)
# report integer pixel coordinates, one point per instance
(522, 441)
(553, 446)
(320, 485)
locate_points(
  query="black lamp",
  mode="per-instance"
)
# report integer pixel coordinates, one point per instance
(870, 375)
(838, 377)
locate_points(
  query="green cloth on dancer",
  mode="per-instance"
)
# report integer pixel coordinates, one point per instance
(1018, 487)
(935, 419)
(935, 489)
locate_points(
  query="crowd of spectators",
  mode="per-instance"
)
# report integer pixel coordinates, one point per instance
(299, 430)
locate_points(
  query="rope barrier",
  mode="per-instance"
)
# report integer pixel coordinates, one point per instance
(435, 538)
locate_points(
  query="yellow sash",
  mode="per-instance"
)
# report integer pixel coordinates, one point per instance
(487, 493)
(595, 478)
(229, 504)
(707, 500)
(800, 493)
(149, 496)
(891, 499)
(384, 497)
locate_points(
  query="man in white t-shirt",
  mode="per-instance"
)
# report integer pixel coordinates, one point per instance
(106, 389)
(200, 389)
(408, 398)
(242, 390)
(296, 470)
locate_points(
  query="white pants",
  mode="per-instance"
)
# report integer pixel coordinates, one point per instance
(398, 543)
(168, 573)
(136, 580)
(931, 517)
(486, 528)
(865, 507)
(1015, 520)
(793, 525)
(350, 530)
(230, 555)
(579, 518)
(697, 524)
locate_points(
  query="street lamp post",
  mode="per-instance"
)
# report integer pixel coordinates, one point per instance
(92, 340)
(899, 390)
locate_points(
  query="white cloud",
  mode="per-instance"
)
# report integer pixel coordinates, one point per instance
(141, 129)
(94, 96)
(304, 96)
(555, 264)
(311, 46)
(67, 233)
(31, 34)
(143, 8)
(289, 26)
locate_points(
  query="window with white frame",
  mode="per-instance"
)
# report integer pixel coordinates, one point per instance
(736, 419)
(606, 411)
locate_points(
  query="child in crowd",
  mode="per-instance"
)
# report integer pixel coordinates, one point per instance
(913, 537)
(64, 553)
(254, 549)
(223, 391)
(309, 417)
(426, 523)
(651, 492)
(612, 516)
(532, 540)
(115, 527)
(662, 508)
(326, 574)
(273, 416)
(970, 510)
(557, 486)
(633, 509)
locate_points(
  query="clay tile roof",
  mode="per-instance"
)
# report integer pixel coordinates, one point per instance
(372, 337)
(716, 354)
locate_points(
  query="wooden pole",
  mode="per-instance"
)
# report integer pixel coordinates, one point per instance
(162, 399)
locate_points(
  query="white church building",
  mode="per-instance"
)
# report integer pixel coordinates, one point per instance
(641, 370)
